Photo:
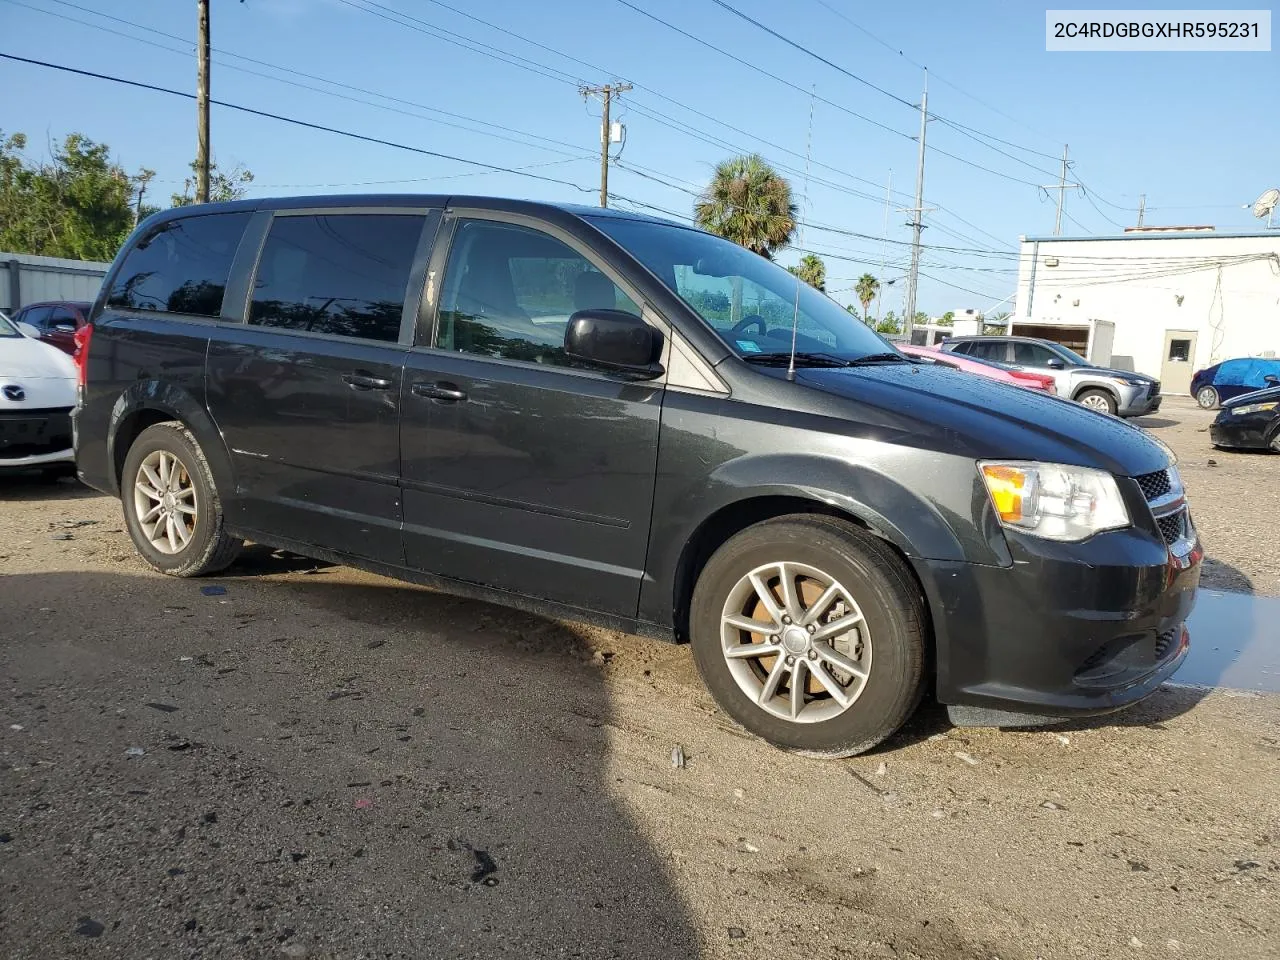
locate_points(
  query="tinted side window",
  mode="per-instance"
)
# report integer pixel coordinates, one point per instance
(509, 292)
(1032, 354)
(964, 348)
(989, 350)
(38, 317)
(181, 267)
(64, 316)
(341, 274)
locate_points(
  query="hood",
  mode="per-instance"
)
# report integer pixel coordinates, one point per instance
(33, 360)
(1112, 372)
(1258, 396)
(958, 413)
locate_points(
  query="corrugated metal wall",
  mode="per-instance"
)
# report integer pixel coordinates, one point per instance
(28, 279)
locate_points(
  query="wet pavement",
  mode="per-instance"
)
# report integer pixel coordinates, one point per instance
(1235, 642)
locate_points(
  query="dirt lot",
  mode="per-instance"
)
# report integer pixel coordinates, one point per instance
(327, 764)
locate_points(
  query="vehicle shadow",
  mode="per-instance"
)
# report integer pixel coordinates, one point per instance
(1218, 575)
(255, 560)
(1154, 423)
(32, 485)
(351, 767)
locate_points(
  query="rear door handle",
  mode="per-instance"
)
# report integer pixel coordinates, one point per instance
(438, 391)
(364, 381)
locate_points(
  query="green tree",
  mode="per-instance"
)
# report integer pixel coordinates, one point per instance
(76, 205)
(748, 202)
(889, 324)
(866, 288)
(812, 271)
(853, 310)
(222, 186)
(947, 319)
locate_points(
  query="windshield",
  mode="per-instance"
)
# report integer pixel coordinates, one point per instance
(1069, 355)
(7, 329)
(748, 300)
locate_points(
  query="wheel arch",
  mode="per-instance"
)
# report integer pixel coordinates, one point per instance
(734, 517)
(147, 403)
(1100, 388)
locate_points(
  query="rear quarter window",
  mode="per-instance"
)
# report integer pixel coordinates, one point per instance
(180, 267)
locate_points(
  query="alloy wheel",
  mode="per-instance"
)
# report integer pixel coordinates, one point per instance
(165, 502)
(1096, 401)
(796, 642)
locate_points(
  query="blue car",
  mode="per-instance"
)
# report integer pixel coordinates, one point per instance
(1232, 378)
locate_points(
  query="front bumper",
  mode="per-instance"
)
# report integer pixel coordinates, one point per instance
(1139, 401)
(1250, 431)
(34, 438)
(1068, 629)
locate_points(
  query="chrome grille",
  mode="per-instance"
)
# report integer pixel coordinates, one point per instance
(1155, 389)
(1155, 485)
(1171, 527)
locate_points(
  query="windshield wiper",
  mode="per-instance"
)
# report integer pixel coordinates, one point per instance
(871, 358)
(783, 357)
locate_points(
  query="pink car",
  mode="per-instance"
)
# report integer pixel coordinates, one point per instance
(1019, 378)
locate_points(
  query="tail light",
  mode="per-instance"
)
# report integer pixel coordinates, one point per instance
(81, 356)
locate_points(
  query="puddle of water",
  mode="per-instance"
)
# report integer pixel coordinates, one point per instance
(1235, 642)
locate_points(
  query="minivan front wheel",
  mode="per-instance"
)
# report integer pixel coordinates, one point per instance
(171, 506)
(810, 633)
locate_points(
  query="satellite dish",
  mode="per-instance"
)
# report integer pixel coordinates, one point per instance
(1266, 204)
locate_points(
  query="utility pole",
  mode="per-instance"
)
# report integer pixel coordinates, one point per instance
(917, 218)
(202, 104)
(888, 195)
(1142, 208)
(1062, 187)
(606, 93)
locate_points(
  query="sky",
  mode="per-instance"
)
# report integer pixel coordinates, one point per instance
(1195, 132)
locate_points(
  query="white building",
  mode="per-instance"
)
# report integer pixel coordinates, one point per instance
(1180, 298)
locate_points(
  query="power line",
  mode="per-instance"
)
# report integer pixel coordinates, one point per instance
(295, 121)
(504, 132)
(941, 79)
(762, 71)
(803, 49)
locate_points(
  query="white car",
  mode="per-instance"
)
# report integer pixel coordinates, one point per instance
(37, 394)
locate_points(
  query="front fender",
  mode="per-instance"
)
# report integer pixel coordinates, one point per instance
(147, 401)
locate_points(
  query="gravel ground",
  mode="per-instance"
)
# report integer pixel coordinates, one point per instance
(1235, 500)
(323, 763)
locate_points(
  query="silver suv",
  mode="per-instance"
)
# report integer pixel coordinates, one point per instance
(1120, 392)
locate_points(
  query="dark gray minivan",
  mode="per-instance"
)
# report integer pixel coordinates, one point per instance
(593, 414)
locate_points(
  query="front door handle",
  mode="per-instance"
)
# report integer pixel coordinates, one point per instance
(364, 381)
(438, 391)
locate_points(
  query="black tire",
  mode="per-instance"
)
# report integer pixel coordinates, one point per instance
(210, 547)
(1098, 396)
(1208, 398)
(891, 603)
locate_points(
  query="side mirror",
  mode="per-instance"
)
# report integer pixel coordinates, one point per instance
(1056, 364)
(1272, 379)
(28, 329)
(616, 340)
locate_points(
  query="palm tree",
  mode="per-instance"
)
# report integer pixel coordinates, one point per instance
(748, 202)
(812, 271)
(866, 289)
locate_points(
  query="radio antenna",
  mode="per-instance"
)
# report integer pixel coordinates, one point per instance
(804, 206)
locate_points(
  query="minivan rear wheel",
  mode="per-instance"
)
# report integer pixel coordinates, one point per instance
(810, 633)
(171, 506)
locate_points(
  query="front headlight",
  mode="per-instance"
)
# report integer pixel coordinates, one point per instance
(1132, 381)
(1253, 408)
(1054, 501)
